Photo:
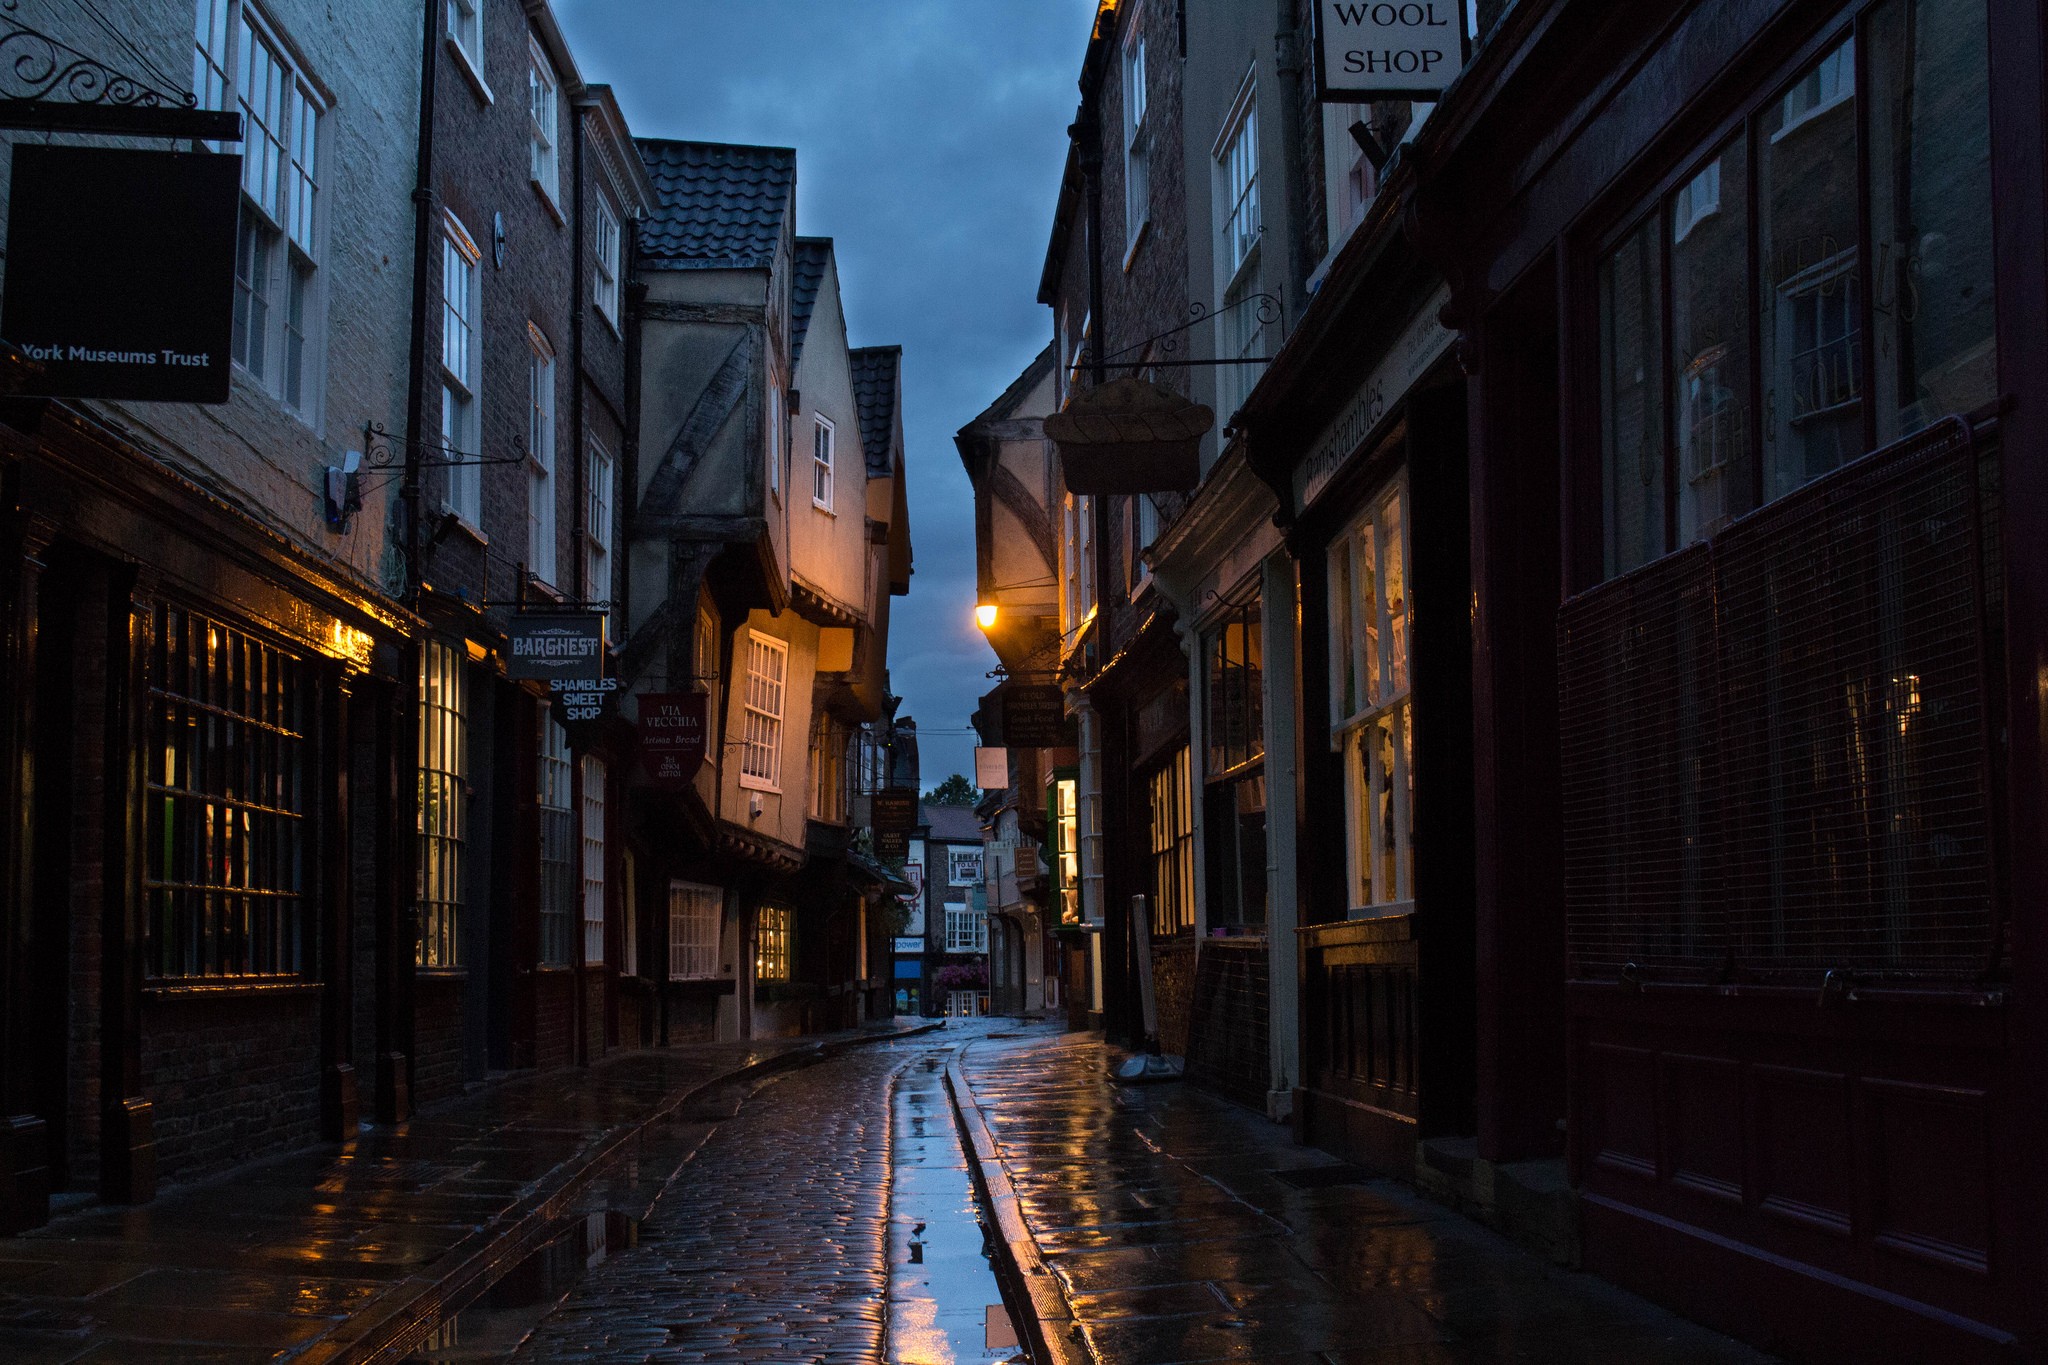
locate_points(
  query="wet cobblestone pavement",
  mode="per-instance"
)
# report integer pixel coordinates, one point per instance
(771, 1245)
(324, 1254)
(1162, 1214)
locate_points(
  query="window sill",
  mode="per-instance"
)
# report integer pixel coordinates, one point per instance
(470, 70)
(1138, 239)
(466, 526)
(214, 989)
(1384, 910)
(553, 968)
(451, 974)
(824, 507)
(548, 200)
(758, 784)
(606, 314)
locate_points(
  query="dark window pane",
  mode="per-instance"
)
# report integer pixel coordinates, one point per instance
(1930, 195)
(1809, 293)
(1710, 342)
(1631, 400)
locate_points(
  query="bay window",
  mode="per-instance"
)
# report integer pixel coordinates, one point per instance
(1371, 716)
(1234, 795)
(1170, 833)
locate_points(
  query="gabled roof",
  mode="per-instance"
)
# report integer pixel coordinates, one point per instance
(806, 277)
(957, 823)
(875, 387)
(717, 206)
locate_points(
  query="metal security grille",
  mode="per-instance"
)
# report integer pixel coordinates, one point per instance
(1774, 743)
(227, 794)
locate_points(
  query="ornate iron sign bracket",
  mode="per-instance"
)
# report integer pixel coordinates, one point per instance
(47, 85)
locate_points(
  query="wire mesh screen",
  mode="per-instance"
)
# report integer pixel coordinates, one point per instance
(1774, 743)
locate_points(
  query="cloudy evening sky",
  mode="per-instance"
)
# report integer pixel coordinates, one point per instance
(929, 136)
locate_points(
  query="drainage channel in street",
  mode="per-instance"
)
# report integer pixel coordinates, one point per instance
(493, 1325)
(945, 1307)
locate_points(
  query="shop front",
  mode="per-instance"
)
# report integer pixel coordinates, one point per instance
(1757, 560)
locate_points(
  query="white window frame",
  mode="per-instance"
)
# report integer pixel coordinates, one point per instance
(824, 441)
(1837, 64)
(604, 285)
(280, 288)
(1137, 141)
(443, 822)
(966, 929)
(542, 103)
(762, 706)
(696, 915)
(556, 806)
(1240, 334)
(975, 860)
(541, 496)
(463, 26)
(1077, 563)
(1368, 635)
(778, 418)
(1238, 212)
(593, 859)
(462, 347)
(599, 474)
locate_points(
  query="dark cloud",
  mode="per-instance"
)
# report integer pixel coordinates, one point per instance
(929, 136)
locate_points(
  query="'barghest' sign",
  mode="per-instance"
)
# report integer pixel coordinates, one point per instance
(545, 646)
(121, 271)
(1387, 49)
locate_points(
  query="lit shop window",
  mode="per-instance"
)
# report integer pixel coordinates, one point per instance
(1370, 712)
(228, 775)
(444, 801)
(774, 938)
(1171, 842)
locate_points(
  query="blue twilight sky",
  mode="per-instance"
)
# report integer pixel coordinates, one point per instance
(930, 136)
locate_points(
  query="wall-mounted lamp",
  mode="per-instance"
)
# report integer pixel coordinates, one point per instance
(985, 615)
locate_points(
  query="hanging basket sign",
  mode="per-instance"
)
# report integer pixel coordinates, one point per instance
(1130, 436)
(672, 737)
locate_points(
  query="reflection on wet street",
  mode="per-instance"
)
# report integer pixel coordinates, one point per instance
(944, 1304)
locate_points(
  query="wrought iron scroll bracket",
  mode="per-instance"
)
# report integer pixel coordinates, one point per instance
(49, 86)
(1267, 308)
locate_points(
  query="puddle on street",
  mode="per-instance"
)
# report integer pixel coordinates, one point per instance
(492, 1327)
(944, 1304)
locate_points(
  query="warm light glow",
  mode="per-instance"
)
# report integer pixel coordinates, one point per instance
(985, 616)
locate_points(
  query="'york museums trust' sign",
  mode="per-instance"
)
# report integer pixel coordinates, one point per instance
(121, 271)
(1387, 49)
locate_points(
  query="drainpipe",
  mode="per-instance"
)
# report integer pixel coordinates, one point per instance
(422, 242)
(581, 511)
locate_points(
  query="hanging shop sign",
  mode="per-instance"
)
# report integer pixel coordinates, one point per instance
(895, 810)
(892, 845)
(1035, 717)
(992, 766)
(580, 706)
(672, 728)
(1406, 361)
(1387, 49)
(1130, 436)
(547, 646)
(121, 271)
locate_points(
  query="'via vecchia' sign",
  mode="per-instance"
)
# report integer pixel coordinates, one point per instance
(1387, 49)
(121, 271)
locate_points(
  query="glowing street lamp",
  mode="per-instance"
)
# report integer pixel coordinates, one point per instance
(985, 615)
